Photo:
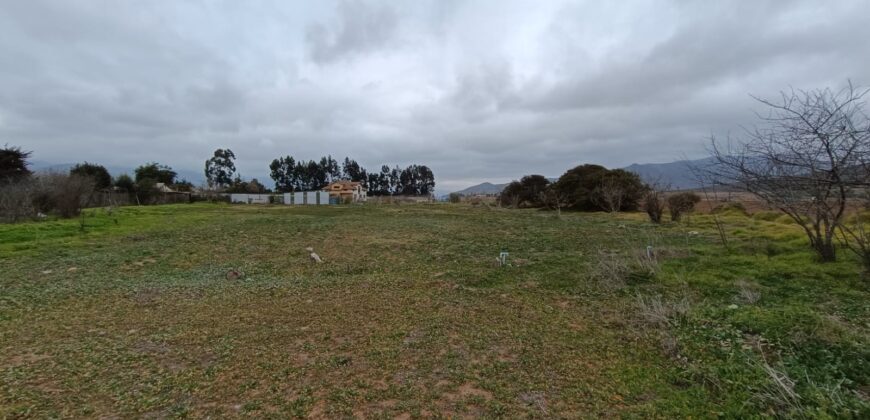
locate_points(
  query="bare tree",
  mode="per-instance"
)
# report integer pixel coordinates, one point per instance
(808, 158)
(653, 202)
(554, 199)
(654, 205)
(610, 195)
(16, 200)
(854, 235)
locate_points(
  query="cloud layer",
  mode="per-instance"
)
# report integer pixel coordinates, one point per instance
(484, 90)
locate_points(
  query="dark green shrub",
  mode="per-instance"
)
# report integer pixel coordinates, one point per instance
(527, 192)
(99, 174)
(596, 188)
(682, 203)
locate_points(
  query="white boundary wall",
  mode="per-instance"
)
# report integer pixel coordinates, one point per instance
(299, 198)
(250, 198)
(306, 198)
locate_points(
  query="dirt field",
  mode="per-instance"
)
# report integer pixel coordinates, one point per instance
(410, 316)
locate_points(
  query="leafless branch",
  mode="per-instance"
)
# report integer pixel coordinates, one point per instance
(808, 158)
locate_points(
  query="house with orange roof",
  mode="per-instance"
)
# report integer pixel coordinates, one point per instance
(347, 191)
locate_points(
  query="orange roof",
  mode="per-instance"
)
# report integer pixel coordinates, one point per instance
(345, 185)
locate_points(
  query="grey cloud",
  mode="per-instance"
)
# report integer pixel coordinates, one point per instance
(218, 98)
(360, 28)
(723, 45)
(479, 91)
(484, 89)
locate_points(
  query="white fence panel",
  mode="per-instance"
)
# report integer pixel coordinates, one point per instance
(258, 198)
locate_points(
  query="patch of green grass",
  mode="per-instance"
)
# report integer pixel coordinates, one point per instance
(410, 314)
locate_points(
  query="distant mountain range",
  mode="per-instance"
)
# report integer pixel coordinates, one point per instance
(678, 175)
(482, 189)
(487, 188)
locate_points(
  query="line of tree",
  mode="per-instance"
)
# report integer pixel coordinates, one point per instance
(290, 175)
(413, 180)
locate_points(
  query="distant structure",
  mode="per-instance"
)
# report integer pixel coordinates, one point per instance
(347, 191)
(307, 198)
(250, 198)
(176, 196)
(161, 187)
(298, 198)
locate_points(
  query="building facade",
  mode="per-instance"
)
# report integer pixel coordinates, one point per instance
(347, 191)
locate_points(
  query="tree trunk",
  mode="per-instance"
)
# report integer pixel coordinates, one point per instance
(826, 250)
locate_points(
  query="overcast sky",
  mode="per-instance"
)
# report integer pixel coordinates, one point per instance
(477, 90)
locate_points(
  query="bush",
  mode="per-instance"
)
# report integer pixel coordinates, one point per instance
(510, 195)
(145, 190)
(16, 201)
(654, 205)
(124, 183)
(682, 203)
(614, 270)
(662, 313)
(454, 197)
(596, 188)
(101, 177)
(64, 195)
(156, 172)
(731, 207)
(526, 192)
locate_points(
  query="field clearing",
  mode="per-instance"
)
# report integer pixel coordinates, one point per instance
(410, 316)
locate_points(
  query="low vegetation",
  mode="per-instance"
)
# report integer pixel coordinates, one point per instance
(682, 203)
(25, 195)
(135, 313)
(36, 196)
